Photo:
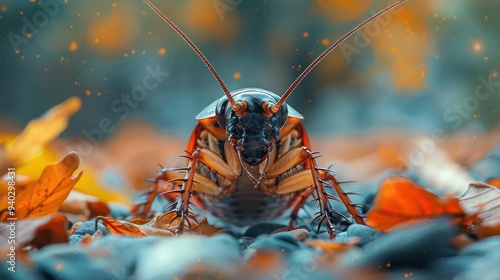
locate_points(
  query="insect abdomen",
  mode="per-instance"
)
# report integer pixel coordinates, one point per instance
(244, 208)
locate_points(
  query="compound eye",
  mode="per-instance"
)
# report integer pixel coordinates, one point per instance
(220, 111)
(283, 114)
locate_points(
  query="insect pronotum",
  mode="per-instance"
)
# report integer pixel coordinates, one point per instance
(249, 158)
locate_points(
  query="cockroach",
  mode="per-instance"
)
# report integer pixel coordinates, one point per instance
(249, 158)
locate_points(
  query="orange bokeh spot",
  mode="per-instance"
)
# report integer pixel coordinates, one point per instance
(341, 10)
(211, 20)
(161, 51)
(113, 33)
(73, 46)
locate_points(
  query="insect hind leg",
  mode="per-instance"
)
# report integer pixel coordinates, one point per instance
(328, 179)
(311, 181)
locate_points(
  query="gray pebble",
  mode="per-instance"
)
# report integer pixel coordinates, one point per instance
(365, 233)
(178, 256)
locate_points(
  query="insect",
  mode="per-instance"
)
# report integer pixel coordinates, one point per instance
(249, 158)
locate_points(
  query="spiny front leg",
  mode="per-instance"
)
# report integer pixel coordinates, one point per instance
(184, 187)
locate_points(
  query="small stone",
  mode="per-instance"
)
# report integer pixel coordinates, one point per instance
(417, 245)
(481, 248)
(262, 228)
(118, 211)
(182, 255)
(282, 241)
(341, 236)
(300, 234)
(365, 233)
(86, 228)
(449, 268)
(245, 241)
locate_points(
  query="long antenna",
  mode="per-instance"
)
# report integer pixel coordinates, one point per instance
(313, 64)
(234, 105)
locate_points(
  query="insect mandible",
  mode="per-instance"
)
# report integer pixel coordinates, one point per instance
(249, 158)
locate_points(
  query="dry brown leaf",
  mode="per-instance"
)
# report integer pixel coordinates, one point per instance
(52, 232)
(41, 131)
(163, 225)
(45, 195)
(38, 232)
(199, 225)
(98, 208)
(127, 228)
(140, 221)
(84, 206)
(401, 201)
(483, 200)
(204, 228)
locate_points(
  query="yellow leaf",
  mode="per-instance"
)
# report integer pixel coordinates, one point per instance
(41, 131)
(45, 195)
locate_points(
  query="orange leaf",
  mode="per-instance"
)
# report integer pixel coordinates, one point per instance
(45, 195)
(494, 182)
(401, 201)
(98, 208)
(264, 262)
(483, 200)
(332, 246)
(127, 228)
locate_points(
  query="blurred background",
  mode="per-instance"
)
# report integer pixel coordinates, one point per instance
(411, 81)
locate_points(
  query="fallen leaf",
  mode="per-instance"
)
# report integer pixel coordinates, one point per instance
(130, 229)
(402, 201)
(204, 228)
(140, 221)
(483, 200)
(199, 224)
(331, 250)
(52, 232)
(98, 208)
(163, 225)
(38, 232)
(84, 206)
(494, 182)
(41, 131)
(332, 246)
(45, 195)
